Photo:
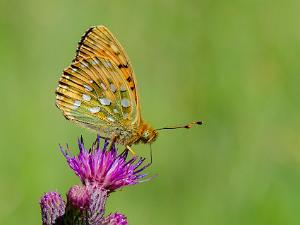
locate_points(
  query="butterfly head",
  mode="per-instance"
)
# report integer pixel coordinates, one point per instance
(148, 135)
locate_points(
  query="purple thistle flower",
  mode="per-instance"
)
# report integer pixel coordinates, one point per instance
(96, 206)
(52, 207)
(115, 219)
(78, 197)
(105, 168)
(102, 171)
(86, 205)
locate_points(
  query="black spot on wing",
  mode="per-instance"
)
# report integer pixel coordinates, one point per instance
(123, 65)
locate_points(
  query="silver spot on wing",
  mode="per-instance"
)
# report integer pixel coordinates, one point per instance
(94, 109)
(112, 88)
(125, 102)
(76, 104)
(111, 119)
(86, 97)
(104, 101)
(87, 87)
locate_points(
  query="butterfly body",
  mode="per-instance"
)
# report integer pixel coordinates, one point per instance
(143, 134)
(98, 90)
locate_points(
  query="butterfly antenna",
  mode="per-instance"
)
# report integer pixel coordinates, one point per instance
(187, 126)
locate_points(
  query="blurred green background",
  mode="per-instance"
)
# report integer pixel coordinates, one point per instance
(233, 64)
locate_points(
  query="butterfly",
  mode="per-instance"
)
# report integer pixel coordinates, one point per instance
(99, 91)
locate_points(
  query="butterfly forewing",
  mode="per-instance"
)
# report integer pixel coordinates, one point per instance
(94, 93)
(99, 41)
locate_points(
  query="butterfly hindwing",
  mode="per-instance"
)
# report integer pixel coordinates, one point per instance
(94, 93)
(99, 41)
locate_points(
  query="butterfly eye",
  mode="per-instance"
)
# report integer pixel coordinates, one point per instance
(146, 134)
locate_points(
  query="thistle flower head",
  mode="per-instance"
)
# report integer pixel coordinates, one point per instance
(78, 196)
(115, 219)
(52, 207)
(105, 167)
(97, 202)
(86, 203)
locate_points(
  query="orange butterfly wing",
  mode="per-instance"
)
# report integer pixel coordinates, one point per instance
(99, 41)
(86, 92)
(93, 93)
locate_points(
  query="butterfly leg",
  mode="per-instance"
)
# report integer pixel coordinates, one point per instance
(131, 150)
(112, 142)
